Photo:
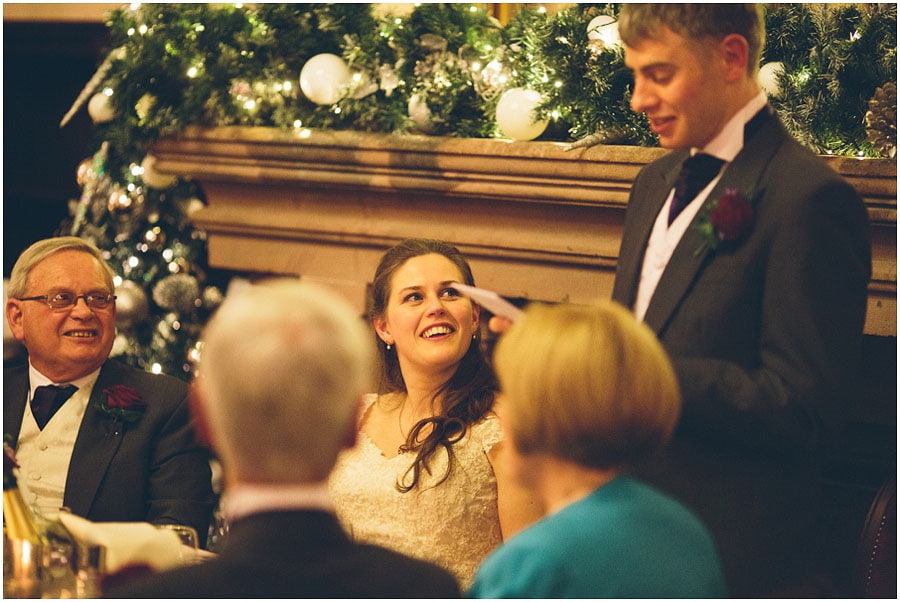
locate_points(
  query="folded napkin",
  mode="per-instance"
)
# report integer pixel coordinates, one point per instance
(127, 543)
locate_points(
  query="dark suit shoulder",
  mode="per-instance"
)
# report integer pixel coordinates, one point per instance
(116, 370)
(15, 370)
(14, 381)
(396, 575)
(297, 554)
(15, 392)
(162, 394)
(799, 183)
(359, 571)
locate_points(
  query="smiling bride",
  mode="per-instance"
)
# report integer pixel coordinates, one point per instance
(424, 477)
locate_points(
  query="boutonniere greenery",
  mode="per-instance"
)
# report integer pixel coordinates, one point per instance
(122, 403)
(727, 220)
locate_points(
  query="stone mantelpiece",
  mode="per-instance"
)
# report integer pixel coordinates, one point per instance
(536, 221)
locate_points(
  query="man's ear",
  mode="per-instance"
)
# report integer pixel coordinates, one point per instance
(735, 52)
(14, 318)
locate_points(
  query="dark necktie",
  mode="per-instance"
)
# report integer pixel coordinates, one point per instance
(47, 400)
(696, 172)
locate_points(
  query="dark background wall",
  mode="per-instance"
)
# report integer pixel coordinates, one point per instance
(45, 66)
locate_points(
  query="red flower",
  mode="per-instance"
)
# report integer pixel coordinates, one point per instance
(732, 216)
(122, 402)
(726, 220)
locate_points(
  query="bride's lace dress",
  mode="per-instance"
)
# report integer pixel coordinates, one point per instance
(454, 524)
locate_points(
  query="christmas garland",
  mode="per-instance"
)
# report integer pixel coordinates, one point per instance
(438, 69)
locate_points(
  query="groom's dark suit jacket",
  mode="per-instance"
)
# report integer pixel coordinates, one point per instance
(295, 554)
(765, 337)
(151, 470)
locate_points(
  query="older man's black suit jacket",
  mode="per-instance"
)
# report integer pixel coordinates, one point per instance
(151, 470)
(765, 337)
(295, 554)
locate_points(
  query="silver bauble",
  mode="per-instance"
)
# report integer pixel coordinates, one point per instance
(132, 305)
(178, 293)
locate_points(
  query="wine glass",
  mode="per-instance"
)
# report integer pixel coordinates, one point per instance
(188, 537)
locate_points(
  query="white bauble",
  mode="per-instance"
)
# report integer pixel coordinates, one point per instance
(419, 113)
(100, 108)
(153, 178)
(605, 29)
(768, 78)
(325, 78)
(515, 114)
(191, 205)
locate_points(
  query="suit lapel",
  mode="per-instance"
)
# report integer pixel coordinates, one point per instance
(15, 394)
(744, 174)
(634, 241)
(99, 438)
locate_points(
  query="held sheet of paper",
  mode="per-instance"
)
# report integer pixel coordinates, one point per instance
(491, 301)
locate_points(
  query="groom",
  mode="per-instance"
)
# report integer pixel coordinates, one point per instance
(117, 445)
(760, 301)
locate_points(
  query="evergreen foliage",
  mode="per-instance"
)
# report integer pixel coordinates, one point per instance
(834, 56)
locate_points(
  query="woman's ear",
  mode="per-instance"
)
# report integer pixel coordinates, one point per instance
(381, 329)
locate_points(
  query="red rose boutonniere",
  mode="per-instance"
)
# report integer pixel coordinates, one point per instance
(122, 402)
(727, 220)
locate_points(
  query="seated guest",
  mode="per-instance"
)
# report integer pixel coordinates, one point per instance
(585, 393)
(282, 372)
(109, 442)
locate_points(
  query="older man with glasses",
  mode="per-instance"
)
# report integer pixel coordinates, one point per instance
(107, 441)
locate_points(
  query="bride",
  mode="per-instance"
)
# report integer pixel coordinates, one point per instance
(424, 477)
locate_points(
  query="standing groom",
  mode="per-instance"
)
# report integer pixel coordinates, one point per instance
(117, 445)
(756, 287)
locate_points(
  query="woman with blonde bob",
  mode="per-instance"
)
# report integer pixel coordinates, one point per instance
(587, 392)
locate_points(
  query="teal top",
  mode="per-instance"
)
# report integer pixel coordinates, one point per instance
(624, 540)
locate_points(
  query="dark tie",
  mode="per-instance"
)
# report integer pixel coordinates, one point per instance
(696, 172)
(47, 400)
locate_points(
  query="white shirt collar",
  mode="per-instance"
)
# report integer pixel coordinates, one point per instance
(243, 499)
(729, 142)
(36, 379)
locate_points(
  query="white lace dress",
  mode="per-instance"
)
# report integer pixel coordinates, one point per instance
(455, 524)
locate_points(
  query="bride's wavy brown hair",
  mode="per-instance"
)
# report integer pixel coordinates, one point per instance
(464, 399)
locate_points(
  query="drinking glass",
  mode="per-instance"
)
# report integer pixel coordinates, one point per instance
(188, 537)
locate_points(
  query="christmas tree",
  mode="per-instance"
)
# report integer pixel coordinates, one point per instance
(141, 222)
(438, 69)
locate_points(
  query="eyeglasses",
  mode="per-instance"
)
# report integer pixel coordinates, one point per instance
(66, 300)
